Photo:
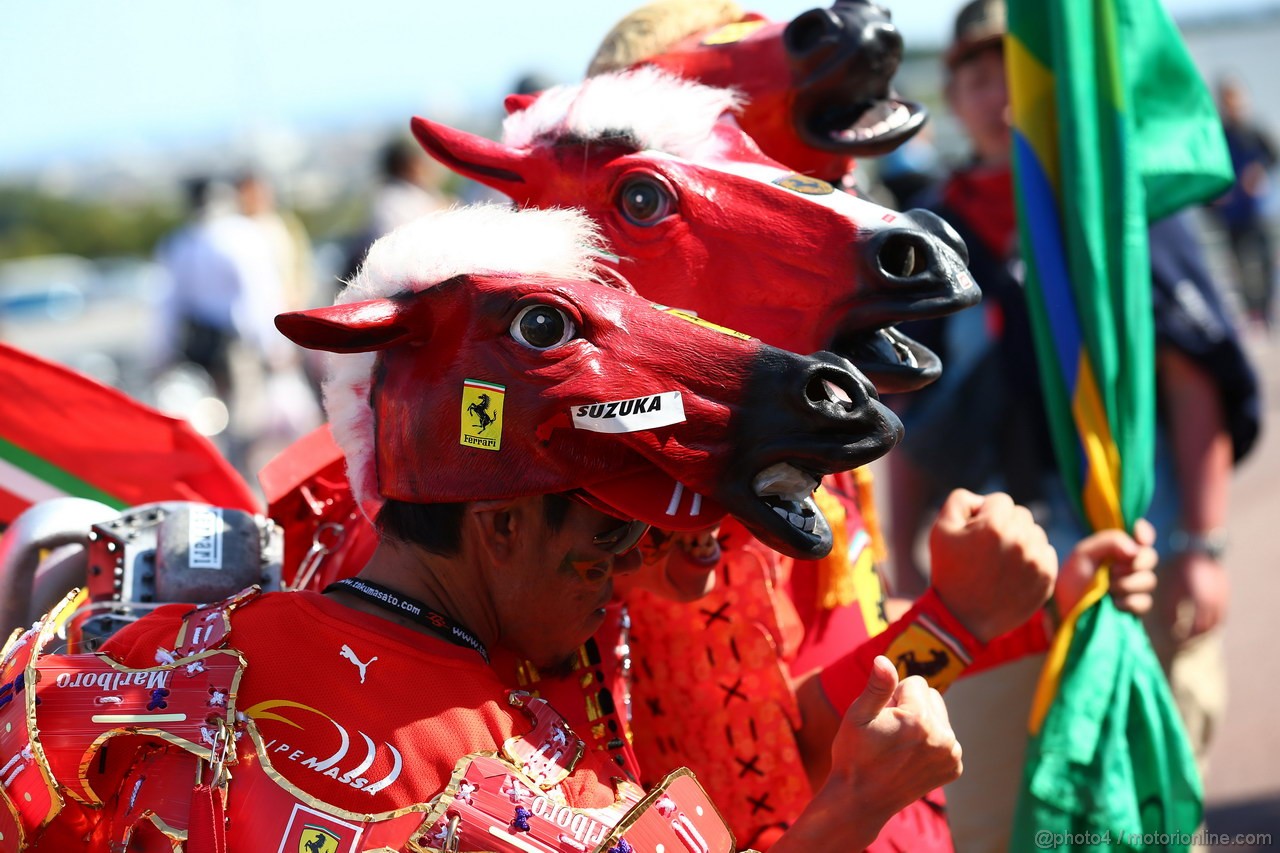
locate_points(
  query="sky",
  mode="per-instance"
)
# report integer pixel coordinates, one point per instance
(86, 77)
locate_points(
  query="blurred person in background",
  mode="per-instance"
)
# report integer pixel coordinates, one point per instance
(285, 398)
(1241, 210)
(224, 286)
(910, 169)
(989, 403)
(404, 193)
(286, 235)
(223, 289)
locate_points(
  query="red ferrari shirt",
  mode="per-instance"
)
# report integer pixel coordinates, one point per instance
(355, 710)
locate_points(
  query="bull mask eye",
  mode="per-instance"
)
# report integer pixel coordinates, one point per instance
(542, 327)
(644, 201)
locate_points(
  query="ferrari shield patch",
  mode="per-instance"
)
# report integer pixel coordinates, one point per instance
(317, 839)
(926, 650)
(482, 414)
(312, 831)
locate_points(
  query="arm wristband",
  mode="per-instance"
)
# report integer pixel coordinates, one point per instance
(928, 641)
(1032, 637)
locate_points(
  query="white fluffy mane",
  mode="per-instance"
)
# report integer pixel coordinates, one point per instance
(656, 109)
(483, 239)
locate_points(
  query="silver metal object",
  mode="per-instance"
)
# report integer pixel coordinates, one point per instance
(42, 527)
(132, 561)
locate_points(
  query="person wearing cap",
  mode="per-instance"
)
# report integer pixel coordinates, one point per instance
(988, 402)
(368, 717)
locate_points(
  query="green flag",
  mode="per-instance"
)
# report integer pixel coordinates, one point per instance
(1112, 126)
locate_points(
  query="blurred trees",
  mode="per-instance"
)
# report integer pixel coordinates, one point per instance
(38, 223)
(35, 223)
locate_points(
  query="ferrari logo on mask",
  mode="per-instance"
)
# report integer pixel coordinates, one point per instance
(804, 184)
(482, 414)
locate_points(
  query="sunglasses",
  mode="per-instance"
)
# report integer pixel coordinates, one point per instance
(616, 540)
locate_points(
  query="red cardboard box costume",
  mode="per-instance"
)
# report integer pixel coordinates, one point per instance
(219, 727)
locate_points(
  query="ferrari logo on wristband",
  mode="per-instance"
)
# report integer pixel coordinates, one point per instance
(926, 650)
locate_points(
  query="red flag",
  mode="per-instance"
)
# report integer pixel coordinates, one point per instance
(62, 433)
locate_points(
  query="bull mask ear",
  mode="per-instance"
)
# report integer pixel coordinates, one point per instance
(518, 103)
(375, 324)
(491, 163)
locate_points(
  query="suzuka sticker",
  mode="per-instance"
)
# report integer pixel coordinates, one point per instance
(634, 415)
(482, 414)
(204, 532)
(804, 184)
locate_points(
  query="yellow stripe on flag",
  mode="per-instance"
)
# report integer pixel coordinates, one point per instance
(1102, 459)
(1102, 503)
(1031, 93)
(1056, 659)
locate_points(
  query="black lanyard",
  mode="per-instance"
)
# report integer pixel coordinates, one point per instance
(412, 609)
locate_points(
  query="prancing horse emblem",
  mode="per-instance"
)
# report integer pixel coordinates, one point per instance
(351, 656)
(323, 841)
(924, 668)
(805, 185)
(480, 409)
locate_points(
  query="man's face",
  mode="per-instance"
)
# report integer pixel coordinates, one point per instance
(254, 197)
(551, 592)
(1234, 105)
(979, 98)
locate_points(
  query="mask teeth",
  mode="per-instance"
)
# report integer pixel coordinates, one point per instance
(905, 355)
(806, 519)
(898, 116)
(785, 481)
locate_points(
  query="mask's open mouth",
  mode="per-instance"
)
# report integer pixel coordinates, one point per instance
(791, 513)
(788, 492)
(894, 362)
(866, 129)
(837, 425)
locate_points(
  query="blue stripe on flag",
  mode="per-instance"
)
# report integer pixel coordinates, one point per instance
(1045, 235)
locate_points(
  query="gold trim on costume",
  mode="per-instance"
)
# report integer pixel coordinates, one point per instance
(443, 800)
(11, 642)
(177, 837)
(17, 818)
(198, 750)
(520, 699)
(638, 810)
(48, 625)
(223, 608)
